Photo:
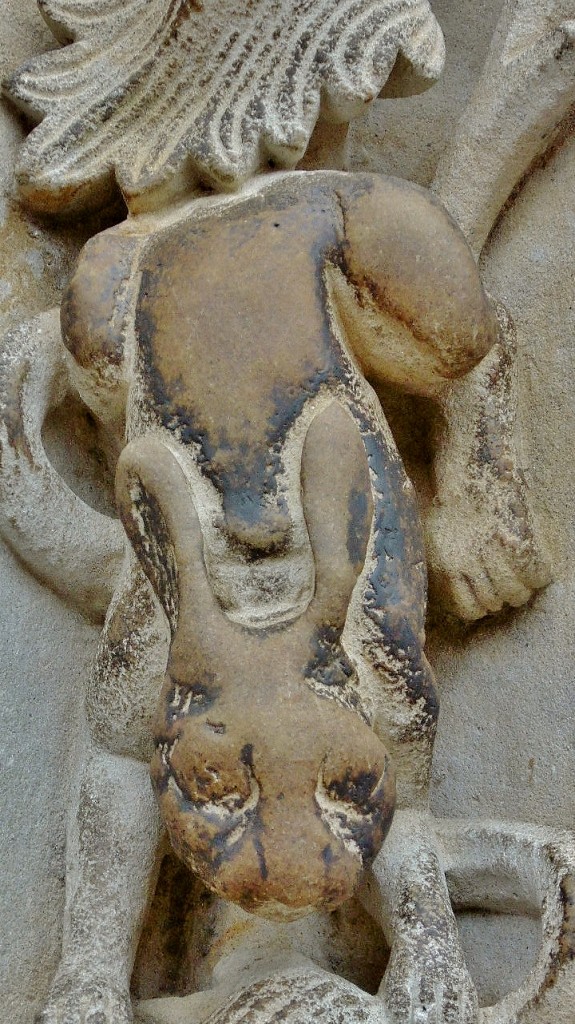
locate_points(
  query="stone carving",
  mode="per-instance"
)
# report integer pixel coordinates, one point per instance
(152, 90)
(516, 112)
(263, 648)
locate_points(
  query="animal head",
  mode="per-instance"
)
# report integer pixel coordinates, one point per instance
(273, 786)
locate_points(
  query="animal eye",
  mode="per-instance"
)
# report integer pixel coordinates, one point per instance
(356, 788)
(202, 784)
(357, 807)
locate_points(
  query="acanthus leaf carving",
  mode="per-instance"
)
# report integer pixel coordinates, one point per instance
(152, 89)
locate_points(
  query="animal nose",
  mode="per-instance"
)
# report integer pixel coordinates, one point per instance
(258, 528)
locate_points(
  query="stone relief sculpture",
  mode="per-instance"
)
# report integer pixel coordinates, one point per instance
(265, 595)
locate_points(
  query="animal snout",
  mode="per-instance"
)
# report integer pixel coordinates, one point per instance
(281, 836)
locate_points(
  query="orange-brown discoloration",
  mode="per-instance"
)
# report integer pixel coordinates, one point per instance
(96, 304)
(274, 788)
(229, 372)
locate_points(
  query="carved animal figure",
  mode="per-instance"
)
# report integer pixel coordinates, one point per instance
(272, 644)
(236, 428)
(229, 344)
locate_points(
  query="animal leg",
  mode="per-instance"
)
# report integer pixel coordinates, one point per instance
(115, 830)
(426, 980)
(526, 89)
(112, 861)
(128, 672)
(482, 547)
(43, 521)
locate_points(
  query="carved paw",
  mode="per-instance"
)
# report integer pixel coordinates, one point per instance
(481, 560)
(76, 1000)
(433, 988)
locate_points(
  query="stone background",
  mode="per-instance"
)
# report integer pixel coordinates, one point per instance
(506, 745)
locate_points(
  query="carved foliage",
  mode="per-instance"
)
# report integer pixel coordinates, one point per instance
(149, 88)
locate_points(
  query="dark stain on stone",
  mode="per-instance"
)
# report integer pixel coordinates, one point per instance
(202, 697)
(257, 827)
(354, 787)
(357, 527)
(154, 548)
(327, 855)
(567, 939)
(247, 475)
(394, 598)
(217, 727)
(247, 755)
(329, 671)
(369, 835)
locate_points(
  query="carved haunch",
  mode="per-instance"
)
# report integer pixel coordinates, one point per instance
(295, 685)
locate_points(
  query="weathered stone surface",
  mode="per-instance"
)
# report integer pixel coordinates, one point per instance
(500, 757)
(117, 101)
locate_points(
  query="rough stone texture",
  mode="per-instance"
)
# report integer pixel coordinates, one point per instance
(508, 684)
(149, 57)
(505, 738)
(41, 638)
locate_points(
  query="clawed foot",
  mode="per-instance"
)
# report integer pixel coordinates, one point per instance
(481, 559)
(482, 546)
(76, 1000)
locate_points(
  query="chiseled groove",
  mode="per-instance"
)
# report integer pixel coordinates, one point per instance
(270, 994)
(330, 28)
(300, 30)
(305, 76)
(74, 86)
(200, 109)
(91, 45)
(147, 93)
(352, 36)
(83, 54)
(79, 16)
(304, 69)
(121, 45)
(123, 114)
(298, 25)
(238, 52)
(240, 110)
(50, 133)
(222, 131)
(321, 27)
(218, 96)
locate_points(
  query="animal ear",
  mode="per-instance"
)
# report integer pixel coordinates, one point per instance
(338, 508)
(155, 504)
